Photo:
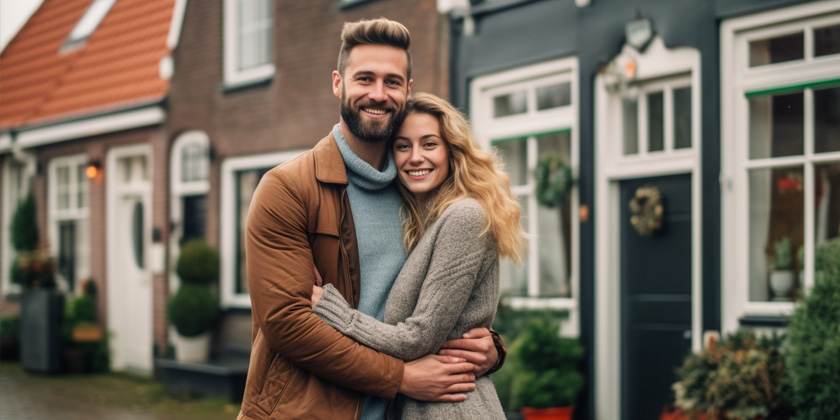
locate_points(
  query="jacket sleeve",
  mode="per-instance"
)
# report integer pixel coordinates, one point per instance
(280, 274)
(458, 249)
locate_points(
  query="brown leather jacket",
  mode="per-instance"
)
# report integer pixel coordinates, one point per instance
(300, 367)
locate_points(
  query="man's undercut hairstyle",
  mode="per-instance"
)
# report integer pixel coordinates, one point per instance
(373, 32)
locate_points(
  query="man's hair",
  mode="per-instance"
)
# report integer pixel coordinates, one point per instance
(373, 32)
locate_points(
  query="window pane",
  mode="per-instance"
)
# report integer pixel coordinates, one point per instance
(513, 279)
(67, 252)
(194, 163)
(776, 201)
(776, 125)
(682, 118)
(246, 183)
(656, 122)
(777, 50)
(826, 208)
(515, 157)
(137, 234)
(194, 217)
(827, 120)
(827, 41)
(554, 96)
(510, 104)
(82, 189)
(63, 187)
(554, 228)
(630, 118)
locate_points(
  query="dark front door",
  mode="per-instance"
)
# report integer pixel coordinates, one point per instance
(655, 298)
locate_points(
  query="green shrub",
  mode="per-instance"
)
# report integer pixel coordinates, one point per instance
(198, 263)
(742, 376)
(192, 310)
(813, 356)
(24, 226)
(550, 374)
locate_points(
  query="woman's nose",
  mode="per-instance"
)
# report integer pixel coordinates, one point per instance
(416, 156)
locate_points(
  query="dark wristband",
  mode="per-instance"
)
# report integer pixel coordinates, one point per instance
(501, 349)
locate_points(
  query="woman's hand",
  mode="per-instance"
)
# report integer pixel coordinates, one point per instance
(317, 291)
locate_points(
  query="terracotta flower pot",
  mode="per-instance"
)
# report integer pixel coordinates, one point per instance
(553, 413)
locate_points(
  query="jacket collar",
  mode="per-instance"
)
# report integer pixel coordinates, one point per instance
(329, 165)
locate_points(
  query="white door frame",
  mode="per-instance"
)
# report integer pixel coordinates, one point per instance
(612, 167)
(115, 192)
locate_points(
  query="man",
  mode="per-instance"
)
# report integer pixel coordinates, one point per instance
(336, 205)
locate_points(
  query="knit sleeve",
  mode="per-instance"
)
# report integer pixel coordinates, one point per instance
(456, 252)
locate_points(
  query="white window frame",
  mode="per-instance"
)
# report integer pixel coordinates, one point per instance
(11, 196)
(80, 215)
(227, 237)
(233, 76)
(178, 189)
(737, 79)
(488, 128)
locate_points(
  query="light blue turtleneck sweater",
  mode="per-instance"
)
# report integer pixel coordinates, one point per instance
(375, 203)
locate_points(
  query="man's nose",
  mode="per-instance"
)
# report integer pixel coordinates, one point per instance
(377, 92)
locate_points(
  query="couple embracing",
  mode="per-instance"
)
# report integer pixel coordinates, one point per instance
(405, 219)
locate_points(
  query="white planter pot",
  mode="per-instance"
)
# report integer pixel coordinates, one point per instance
(781, 283)
(191, 349)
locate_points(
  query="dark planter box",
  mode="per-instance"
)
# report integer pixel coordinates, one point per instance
(40, 325)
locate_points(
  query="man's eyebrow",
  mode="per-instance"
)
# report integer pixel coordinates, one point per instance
(371, 73)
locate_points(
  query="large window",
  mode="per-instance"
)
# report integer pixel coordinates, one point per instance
(523, 115)
(240, 177)
(783, 149)
(16, 179)
(68, 218)
(249, 31)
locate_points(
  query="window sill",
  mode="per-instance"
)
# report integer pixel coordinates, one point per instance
(348, 4)
(763, 321)
(231, 87)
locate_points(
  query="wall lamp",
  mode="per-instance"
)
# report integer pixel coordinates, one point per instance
(93, 169)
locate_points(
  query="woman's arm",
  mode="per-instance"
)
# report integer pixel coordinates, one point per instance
(456, 255)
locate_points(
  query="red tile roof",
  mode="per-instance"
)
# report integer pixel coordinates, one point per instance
(116, 68)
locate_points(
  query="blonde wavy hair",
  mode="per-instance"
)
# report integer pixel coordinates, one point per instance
(473, 173)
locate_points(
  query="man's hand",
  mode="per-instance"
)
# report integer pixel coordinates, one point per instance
(476, 347)
(438, 379)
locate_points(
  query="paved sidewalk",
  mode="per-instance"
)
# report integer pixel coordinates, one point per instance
(27, 396)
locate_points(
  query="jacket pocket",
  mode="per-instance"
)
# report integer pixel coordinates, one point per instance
(279, 374)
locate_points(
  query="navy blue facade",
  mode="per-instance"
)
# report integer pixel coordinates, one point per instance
(511, 34)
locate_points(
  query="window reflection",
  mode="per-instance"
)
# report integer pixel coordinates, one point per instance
(777, 50)
(777, 125)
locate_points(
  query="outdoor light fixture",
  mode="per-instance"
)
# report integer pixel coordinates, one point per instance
(93, 169)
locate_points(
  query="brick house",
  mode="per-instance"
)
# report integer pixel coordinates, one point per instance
(181, 110)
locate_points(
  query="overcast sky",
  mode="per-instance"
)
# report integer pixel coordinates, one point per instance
(13, 13)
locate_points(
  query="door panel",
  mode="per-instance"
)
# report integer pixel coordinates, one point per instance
(655, 298)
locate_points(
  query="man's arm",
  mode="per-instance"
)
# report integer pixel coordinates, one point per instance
(280, 284)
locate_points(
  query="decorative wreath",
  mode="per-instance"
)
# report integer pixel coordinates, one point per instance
(646, 210)
(554, 180)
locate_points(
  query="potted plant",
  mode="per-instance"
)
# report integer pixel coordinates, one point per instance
(550, 378)
(781, 274)
(41, 305)
(83, 338)
(813, 346)
(741, 377)
(194, 307)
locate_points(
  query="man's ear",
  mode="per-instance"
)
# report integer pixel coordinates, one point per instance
(336, 84)
(408, 93)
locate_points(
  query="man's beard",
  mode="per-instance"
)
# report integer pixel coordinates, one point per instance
(371, 131)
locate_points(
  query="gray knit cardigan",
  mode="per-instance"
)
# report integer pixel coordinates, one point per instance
(448, 285)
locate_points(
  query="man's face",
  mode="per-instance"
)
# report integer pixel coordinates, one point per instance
(373, 91)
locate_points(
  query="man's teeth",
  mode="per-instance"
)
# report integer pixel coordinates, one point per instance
(375, 111)
(419, 173)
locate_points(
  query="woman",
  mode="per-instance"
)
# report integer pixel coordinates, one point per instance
(459, 218)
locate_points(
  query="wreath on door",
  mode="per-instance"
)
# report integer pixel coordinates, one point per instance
(646, 210)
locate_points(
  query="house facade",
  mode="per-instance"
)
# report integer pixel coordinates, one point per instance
(701, 136)
(141, 124)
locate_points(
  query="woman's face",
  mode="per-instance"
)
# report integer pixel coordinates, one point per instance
(421, 154)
